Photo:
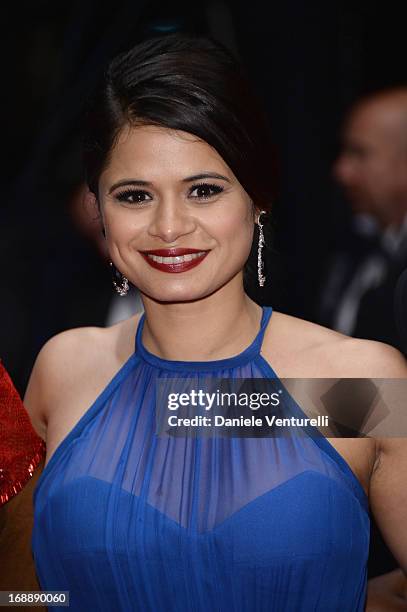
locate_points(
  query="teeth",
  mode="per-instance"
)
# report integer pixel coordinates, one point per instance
(177, 259)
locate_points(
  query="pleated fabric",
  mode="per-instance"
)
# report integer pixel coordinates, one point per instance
(128, 520)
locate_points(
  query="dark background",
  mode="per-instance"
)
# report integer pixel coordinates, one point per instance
(308, 60)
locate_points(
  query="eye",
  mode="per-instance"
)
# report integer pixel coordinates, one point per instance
(133, 196)
(205, 191)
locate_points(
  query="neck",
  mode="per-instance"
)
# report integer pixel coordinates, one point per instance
(218, 326)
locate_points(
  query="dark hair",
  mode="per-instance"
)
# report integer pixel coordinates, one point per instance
(184, 83)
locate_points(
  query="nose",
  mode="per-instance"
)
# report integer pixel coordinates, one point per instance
(171, 220)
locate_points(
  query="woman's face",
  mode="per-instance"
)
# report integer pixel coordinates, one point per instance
(178, 223)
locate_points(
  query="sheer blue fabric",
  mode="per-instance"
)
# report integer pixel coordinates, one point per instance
(126, 520)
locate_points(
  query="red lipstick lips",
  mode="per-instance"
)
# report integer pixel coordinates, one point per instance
(174, 260)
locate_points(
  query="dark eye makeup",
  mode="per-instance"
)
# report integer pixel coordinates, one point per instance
(204, 191)
(132, 196)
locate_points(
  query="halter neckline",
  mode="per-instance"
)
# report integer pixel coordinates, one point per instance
(244, 357)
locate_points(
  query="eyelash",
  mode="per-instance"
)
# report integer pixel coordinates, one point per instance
(123, 196)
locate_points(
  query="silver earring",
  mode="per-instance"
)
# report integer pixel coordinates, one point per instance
(260, 263)
(120, 282)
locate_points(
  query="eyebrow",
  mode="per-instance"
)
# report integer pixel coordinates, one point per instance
(188, 179)
(204, 175)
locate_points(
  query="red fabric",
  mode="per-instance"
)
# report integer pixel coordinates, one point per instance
(21, 449)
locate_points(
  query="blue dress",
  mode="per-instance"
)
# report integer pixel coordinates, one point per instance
(128, 520)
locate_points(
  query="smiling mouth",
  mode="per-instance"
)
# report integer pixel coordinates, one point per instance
(174, 260)
(177, 258)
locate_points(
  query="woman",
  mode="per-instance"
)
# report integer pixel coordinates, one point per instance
(125, 519)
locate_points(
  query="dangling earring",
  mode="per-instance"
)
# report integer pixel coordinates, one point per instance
(120, 282)
(260, 263)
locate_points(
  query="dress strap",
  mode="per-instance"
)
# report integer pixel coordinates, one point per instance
(258, 342)
(140, 326)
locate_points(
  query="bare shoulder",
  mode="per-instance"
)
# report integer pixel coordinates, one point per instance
(296, 348)
(80, 358)
(301, 348)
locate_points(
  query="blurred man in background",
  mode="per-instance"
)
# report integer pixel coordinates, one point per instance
(358, 294)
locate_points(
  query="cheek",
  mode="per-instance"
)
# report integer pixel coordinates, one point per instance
(379, 181)
(238, 235)
(235, 242)
(238, 224)
(378, 169)
(121, 226)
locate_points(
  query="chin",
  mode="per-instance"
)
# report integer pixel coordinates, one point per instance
(171, 294)
(179, 292)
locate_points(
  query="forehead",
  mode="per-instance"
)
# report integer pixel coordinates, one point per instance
(374, 123)
(152, 153)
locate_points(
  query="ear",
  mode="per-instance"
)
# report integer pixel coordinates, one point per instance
(91, 204)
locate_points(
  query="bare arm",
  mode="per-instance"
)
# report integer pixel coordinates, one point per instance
(388, 484)
(34, 396)
(55, 374)
(387, 593)
(388, 498)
